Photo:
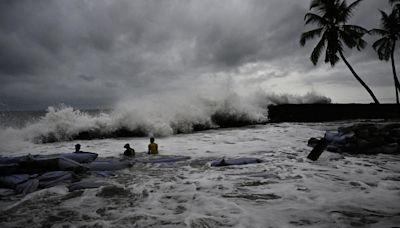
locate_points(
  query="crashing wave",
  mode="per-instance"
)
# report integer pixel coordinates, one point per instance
(158, 117)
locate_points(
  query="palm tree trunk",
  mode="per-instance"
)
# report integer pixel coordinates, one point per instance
(396, 80)
(358, 78)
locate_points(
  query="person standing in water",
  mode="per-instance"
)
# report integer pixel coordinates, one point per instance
(129, 151)
(77, 148)
(153, 147)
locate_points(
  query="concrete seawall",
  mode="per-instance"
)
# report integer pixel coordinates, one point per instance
(331, 112)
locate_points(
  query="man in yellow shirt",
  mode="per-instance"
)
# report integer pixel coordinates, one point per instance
(153, 147)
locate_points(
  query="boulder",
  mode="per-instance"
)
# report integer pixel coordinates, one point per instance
(363, 139)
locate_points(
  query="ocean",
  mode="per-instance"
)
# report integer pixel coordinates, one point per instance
(285, 190)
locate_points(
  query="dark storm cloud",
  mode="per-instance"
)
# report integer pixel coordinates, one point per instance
(92, 52)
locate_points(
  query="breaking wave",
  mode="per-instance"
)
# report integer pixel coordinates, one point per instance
(161, 116)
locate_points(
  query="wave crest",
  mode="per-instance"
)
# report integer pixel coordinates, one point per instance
(157, 117)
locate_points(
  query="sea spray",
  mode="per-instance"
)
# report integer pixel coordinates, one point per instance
(155, 116)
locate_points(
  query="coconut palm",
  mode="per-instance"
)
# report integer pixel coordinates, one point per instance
(331, 16)
(395, 2)
(396, 8)
(386, 45)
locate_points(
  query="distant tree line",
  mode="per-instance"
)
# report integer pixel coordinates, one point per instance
(331, 18)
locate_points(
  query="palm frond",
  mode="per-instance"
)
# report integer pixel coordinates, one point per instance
(352, 35)
(384, 50)
(345, 12)
(380, 32)
(331, 57)
(379, 43)
(315, 3)
(347, 38)
(309, 35)
(333, 47)
(341, 13)
(316, 53)
(321, 5)
(353, 5)
(385, 20)
(358, 29)
(361, 44)
(312, 18)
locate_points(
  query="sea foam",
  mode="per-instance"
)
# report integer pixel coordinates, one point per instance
(154, 116)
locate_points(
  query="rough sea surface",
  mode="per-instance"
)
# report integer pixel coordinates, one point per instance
(286, 190)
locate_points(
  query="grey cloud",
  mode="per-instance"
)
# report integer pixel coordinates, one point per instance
(120, 46)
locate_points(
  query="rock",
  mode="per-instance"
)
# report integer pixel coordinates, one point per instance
(363, 139)
(362, 133)
(362, 143)
(395, 132)
(386, 149)
(392, 139)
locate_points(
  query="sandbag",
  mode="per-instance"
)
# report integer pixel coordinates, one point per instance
(11, 181)
(10, 160)
(24, 183)
(9, 169)
(50, 179)
(108, 164)
(235, 161)
(28, 186)
(163, 159)
(46, 164)
(103, 173)
(81, 157)
(21, 183)
(85, 184)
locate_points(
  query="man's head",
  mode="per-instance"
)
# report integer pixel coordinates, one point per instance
(127, 146)
(151, 139)
(77, 147)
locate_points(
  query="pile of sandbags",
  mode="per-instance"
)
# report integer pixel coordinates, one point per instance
(25, 174)
(29, 173)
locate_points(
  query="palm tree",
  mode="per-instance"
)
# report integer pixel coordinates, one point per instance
(396, 3)
(386, 45)
(396, 9)
(331, 17)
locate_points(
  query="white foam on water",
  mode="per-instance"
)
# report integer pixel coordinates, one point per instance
(286, 190)
(161, 115)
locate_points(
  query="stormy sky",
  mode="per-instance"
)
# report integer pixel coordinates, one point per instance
(92, 53)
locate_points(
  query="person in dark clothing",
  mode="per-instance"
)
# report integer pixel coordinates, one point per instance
(128, 150)
(77, 148)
